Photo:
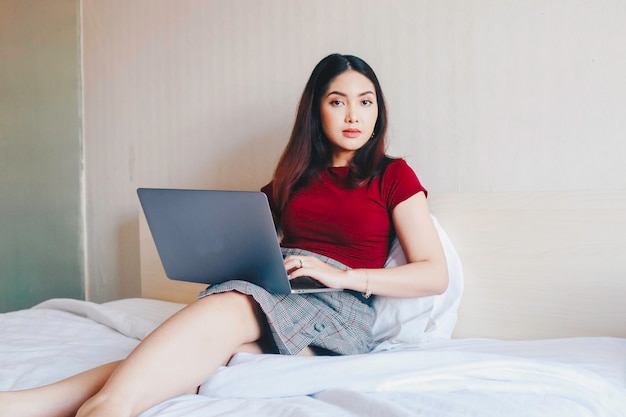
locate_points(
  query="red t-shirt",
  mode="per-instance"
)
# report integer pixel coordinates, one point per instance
(352, 226)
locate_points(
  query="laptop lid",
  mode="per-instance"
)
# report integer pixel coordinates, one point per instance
(210, 236)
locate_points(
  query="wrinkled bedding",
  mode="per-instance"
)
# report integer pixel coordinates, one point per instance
(467, 377)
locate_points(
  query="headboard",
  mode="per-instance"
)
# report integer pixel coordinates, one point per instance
(536, 265)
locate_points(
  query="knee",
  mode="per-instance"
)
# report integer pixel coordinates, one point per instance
(240, 310)
(227, 301)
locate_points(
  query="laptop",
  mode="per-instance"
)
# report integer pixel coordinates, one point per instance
(211, 236)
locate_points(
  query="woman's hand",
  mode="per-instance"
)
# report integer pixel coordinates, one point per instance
(310, 266)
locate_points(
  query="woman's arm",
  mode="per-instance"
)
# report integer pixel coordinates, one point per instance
(425, 273)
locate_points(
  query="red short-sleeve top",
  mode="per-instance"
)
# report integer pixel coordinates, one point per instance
(351, 225)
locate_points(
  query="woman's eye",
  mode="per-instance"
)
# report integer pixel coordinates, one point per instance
(367, 102)
(336, 103)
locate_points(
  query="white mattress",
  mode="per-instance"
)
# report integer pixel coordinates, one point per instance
(474, 377)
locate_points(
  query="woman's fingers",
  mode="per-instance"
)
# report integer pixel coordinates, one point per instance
(298, 262)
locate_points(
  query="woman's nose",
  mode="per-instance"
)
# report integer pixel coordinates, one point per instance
(351, 115)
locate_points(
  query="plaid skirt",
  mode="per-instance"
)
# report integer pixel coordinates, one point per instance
(335, 322)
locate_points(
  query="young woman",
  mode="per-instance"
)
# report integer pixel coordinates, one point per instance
(338, 201)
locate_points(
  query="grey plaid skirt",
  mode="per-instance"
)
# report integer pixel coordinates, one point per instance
(330, 322)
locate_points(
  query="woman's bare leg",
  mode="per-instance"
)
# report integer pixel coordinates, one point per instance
(65, 397)
(60, 399)
(177, 357)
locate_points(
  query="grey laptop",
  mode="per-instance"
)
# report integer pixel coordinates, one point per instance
(210, 237)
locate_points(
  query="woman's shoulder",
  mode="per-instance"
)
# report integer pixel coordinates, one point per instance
(398, 167)
(399, 181)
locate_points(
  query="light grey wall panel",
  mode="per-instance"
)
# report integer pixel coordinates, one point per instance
(41, 241)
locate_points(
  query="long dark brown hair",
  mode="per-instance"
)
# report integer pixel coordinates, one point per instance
(308, 149)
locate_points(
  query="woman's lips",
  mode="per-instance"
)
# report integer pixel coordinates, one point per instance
(351, 133)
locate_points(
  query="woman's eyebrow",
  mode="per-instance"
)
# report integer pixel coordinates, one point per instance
(339, 93)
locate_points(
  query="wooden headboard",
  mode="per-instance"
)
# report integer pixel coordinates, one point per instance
(536, 265)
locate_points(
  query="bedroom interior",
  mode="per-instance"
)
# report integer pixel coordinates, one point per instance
(511, 113)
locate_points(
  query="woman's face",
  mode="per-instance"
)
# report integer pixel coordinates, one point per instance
(349, 112)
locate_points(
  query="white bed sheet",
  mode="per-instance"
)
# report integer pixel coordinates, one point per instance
(559, 377)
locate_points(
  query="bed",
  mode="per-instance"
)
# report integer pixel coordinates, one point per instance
(532, 324)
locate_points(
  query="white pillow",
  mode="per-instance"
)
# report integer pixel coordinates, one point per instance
(419, 320)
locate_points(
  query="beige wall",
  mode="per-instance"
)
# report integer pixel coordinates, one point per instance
(483, 95)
